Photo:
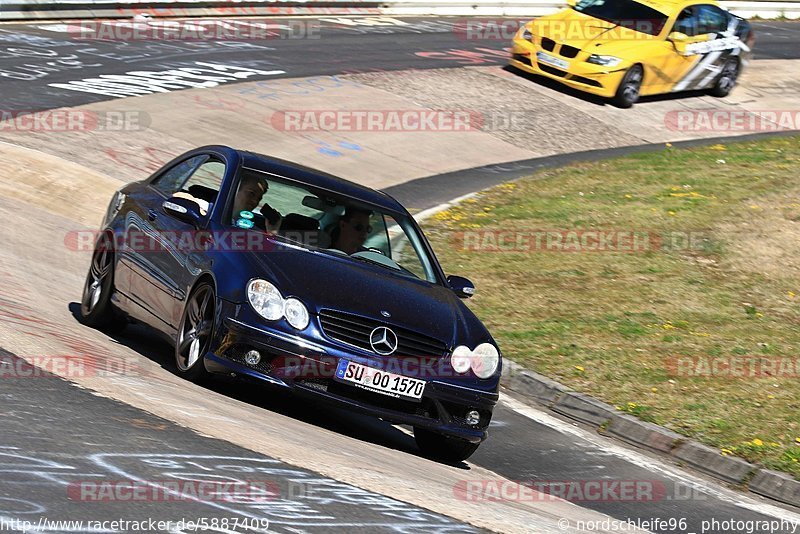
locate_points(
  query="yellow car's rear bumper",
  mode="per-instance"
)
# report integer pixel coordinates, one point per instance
(580, 75)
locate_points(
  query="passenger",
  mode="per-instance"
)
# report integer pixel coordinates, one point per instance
(351, 231)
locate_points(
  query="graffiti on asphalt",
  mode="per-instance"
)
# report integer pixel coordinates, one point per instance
(136, 83)
(301, 499)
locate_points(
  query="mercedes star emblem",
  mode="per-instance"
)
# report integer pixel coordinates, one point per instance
(383, 341)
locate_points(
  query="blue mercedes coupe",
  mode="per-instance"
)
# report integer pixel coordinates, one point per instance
(257, 267)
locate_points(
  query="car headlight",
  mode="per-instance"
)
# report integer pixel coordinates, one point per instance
(265, 299)
(606, 61)
(460, 359)
(485, 360)
(296, 313)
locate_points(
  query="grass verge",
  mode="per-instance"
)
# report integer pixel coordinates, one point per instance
(666, 284)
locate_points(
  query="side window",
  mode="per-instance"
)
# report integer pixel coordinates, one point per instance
(711, 19)
(686, 23)
(171, 180)
(205, 182)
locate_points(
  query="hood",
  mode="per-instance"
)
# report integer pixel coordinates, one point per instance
(322, 280)
(587, 33)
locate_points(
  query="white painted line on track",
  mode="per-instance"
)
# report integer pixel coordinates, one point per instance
(639, 459)
(424, 214)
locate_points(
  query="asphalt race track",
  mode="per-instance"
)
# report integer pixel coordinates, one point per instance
(127, 444)
(325, 469)
(57, 56)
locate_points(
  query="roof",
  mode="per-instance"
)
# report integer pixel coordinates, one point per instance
(670, 5)
(320, 180)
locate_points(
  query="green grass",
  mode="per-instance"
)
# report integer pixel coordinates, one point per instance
(613, 324)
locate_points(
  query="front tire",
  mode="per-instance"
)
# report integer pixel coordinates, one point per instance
(97, 310)
(726, 80)
(629, 88)
(195, 332)
(444, 448)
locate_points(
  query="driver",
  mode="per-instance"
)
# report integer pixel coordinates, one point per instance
(252, 188)
(351, 231)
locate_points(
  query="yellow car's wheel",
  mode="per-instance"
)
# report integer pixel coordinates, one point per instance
(629, 87)
(726, 80)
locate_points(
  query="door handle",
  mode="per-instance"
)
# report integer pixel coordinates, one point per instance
(152, 215)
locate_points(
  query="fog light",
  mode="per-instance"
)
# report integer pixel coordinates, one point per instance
(252, 357)
(473, 417)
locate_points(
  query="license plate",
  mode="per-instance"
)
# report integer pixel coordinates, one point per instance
(378, 381)
(550, 60)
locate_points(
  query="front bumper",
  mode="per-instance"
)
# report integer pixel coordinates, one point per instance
(308, 368)
(586, 77)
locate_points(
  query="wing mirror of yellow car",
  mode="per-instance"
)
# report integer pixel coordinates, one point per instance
(572, 3)
(679, 40)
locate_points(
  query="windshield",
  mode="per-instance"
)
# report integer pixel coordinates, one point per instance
(320, 220)
(625, 13)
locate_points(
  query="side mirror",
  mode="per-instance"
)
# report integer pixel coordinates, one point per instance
(461, 286)
(572, 3)
(679, 40)
(184, 210)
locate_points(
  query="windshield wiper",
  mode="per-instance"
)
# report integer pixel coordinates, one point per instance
(376, 262)
(395, 267)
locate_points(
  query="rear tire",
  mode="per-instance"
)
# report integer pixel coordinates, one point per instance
(97, 310)
(444, 448)
(195, 333)
(726, 80)
(629, 88)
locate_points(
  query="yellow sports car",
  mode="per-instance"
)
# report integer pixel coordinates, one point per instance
(621, 49)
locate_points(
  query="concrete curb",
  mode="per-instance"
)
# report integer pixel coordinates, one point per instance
(778, 486)
(543, 391)
(711, 461)
(637, 432)
(584, 408)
